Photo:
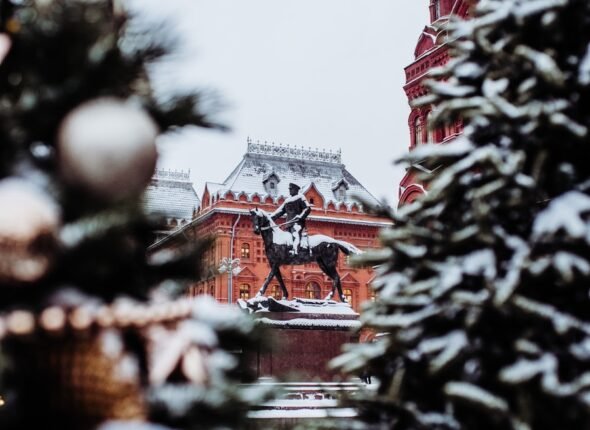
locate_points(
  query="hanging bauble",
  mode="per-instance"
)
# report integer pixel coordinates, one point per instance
(107, 147)
(28, 224)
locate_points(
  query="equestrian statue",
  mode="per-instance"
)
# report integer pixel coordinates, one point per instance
(291, 247)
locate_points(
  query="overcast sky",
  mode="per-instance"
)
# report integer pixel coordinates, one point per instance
(325, 74)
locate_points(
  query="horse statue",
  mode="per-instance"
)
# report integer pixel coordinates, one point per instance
(319, 248)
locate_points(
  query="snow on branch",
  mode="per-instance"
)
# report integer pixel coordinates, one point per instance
(564, 213)
(476, 395)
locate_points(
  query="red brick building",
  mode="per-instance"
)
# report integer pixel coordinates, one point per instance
(431, 52)
(261, 180)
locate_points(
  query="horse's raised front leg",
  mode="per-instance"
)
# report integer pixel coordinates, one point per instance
(272, 274)
(279, 277)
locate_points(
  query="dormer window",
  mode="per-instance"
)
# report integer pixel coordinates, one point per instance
(339, 189)
(270, 182)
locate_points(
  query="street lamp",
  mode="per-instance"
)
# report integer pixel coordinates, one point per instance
(231, 266)
(231, 261)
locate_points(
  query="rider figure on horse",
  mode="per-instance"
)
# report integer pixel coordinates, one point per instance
(297, 210)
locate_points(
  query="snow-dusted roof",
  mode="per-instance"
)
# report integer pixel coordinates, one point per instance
(171, 194)
(291, 164)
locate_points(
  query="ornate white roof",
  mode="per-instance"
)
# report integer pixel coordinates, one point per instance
(301, 166)
(171, 194)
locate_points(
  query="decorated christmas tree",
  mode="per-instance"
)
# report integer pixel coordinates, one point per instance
(89, 336)
(483, 292)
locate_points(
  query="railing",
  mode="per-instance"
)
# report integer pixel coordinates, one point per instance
(176, 175)
(299, 153)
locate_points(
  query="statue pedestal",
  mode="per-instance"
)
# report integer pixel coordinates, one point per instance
(307, 334)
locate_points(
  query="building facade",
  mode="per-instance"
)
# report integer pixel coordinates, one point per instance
(170, 195)
(431, 52)
(261, 180)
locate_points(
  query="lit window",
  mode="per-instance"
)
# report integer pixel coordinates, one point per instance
(348, 294)
(275, 292)
(313, 291)
(245, 250)
(244, 291)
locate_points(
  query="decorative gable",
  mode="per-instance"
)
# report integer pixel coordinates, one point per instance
(349, 279)
(313, 196)
(246, 274)
(425, 42)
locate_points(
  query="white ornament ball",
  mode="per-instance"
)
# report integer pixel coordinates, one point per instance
(5, 44)
(27, 216)
(108, 148)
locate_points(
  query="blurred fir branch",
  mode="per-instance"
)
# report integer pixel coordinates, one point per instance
(482, 286)
(79, 293)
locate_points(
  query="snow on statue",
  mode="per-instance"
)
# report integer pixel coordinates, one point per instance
(297, 209)
(281, 246)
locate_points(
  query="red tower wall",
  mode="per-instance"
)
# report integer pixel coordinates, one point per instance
(431, 52)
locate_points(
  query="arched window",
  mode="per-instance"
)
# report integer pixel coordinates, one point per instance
(348, 294)
(313, 291)
(244, 291)
(245, 250)
(417, 131)
(275, 292)
(212, 290)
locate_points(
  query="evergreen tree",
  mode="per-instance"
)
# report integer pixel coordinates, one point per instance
(483, 291)
(87, 335)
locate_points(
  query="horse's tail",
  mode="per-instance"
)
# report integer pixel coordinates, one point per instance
(348, 248)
